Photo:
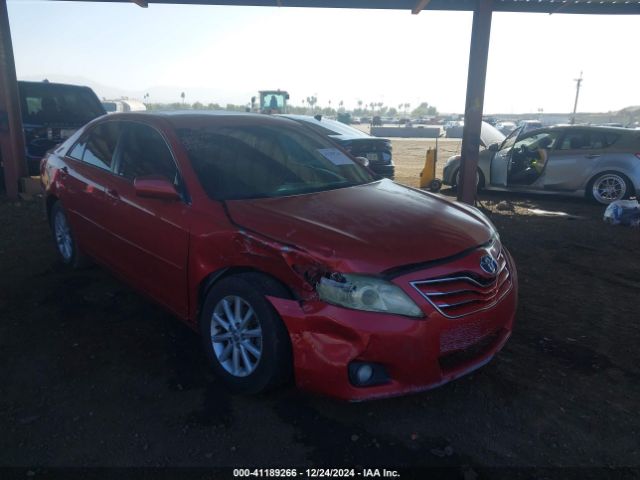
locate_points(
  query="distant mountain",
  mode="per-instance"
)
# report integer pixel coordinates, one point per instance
(103, 91)
(157, 94)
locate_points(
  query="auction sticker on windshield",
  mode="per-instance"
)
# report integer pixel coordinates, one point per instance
(335, 156)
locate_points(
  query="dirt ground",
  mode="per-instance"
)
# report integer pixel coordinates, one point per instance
(93, 374)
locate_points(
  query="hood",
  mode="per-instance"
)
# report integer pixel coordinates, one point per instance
(366, 229)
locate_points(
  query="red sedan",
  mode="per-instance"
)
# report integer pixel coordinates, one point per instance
(289, 257)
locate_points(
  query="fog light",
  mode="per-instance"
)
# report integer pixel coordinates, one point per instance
(365, 374)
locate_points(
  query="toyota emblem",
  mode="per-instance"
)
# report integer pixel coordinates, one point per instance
(489, 265)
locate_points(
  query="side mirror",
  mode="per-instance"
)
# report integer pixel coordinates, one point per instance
(494, 147)
(362, 161)
(155, 186)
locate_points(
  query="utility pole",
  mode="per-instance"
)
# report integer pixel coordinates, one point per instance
(575, 105)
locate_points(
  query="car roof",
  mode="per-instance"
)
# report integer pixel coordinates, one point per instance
(592, 127)
(53, 84)
(191, 118)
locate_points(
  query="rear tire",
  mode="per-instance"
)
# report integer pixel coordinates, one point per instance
(245, 340)
(64, 238)
(608, 187)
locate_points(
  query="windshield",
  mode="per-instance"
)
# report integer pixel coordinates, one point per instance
(258, 161)
(538, 140)
(50, 104)
(273, 100)
(490, 135)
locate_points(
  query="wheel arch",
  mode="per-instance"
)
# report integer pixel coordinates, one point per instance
(481, 184)
(595, 175)
(283, 291)
(50, 201)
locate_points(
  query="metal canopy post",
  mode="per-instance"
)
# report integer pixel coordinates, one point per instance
(478, 57)
(11, 137)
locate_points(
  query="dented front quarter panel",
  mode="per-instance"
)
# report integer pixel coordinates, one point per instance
(326, 338)
(218, 244)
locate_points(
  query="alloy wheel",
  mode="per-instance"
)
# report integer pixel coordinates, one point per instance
(236, 336)
(609, 187)
(63, 236)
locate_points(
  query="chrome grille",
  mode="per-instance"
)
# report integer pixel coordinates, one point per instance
(466, 292)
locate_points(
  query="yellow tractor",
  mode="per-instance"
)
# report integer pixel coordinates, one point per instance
(271, 101)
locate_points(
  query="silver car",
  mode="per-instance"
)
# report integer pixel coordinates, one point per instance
(601, 163)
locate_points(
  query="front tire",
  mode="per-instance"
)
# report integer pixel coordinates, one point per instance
(245, 340)
(608, 187)
(479, 179)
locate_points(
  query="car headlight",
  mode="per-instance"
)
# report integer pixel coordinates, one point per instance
(371, 294)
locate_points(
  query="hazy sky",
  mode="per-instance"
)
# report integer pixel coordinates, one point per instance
(227, 54)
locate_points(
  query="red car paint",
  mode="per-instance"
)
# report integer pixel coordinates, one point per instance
(173, 251)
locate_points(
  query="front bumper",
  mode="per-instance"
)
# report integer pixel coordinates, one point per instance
(417, 354)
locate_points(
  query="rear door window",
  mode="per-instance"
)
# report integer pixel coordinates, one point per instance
(588, 140)
(77, 150)
(101, 145)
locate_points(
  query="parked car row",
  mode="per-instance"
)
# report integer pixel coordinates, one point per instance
(52, 112)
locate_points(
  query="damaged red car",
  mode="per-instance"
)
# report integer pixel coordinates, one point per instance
(290, 258)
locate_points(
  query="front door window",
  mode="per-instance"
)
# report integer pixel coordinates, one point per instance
(144, 152)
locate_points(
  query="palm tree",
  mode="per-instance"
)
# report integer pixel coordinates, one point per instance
(312, 102)
(182, 95)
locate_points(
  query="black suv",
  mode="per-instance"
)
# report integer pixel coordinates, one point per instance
(52, 112)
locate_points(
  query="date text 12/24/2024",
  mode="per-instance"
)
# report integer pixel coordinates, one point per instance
(315, 473)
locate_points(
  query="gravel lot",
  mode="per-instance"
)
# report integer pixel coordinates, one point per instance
(95, 375)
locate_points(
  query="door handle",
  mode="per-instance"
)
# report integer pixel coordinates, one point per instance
(112, 192)
(65, 170)
(593, 155)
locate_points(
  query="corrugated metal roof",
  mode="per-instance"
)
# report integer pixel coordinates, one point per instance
(612, 7)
